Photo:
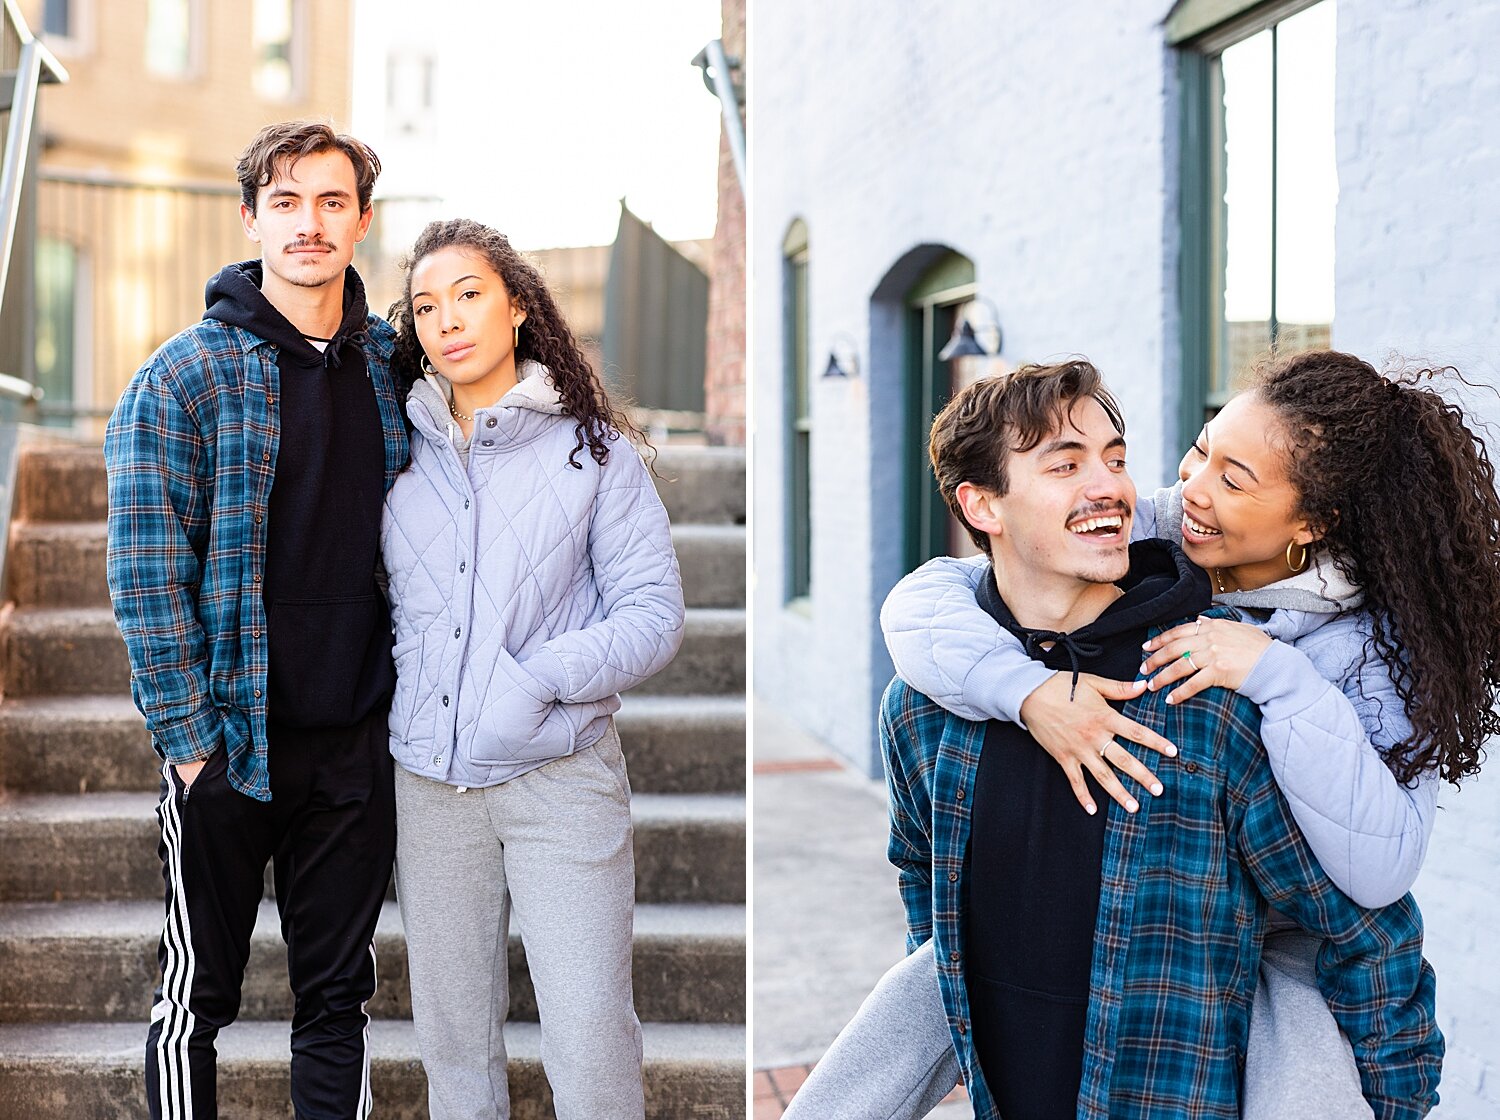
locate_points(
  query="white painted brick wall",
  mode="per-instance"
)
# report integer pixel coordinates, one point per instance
(984, 128)
(1417, 260)
(1039, 139)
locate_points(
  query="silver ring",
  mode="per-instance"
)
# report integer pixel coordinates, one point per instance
(1105, 749)
(1189, 658)
(1197, 626)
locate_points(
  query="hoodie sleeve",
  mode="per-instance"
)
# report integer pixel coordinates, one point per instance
(635, 568)
(944, 644)
(1324, 744)
(158, 528)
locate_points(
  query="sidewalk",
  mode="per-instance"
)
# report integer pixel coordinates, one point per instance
(828, 920)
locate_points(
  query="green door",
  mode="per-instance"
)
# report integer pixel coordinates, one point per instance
(932, 307)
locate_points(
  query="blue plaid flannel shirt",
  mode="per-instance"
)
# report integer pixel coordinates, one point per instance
(191, 453)
(1183, 898)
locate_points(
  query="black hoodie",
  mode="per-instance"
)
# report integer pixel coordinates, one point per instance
(1035, 855)
(328, 626)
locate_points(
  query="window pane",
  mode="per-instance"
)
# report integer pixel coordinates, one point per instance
(168, 37)
(57, 18)
(1247, 71)
(1306, 178)
(272, 35)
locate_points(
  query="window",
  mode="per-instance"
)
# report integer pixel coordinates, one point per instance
(274, 42)
(65, 24)
(1259, 191)
(170, 47)
(60, 311)
(798, 412)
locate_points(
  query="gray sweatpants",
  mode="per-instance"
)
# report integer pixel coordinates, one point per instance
(556, 842)
(895, 1061)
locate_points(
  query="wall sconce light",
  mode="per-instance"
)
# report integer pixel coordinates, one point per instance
(978, 323)
(843, 358)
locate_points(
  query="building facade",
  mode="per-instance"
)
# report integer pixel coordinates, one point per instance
(137, 203)
(1162, 188)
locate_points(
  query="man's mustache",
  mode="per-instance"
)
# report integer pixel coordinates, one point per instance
(295, 246)
(1097, 509)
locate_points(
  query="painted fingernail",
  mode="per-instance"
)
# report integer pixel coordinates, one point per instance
(1172, 698)
(1142, 670)
(1156, 789)
(1091, 809)
(1171, 752)
(1131, 806)
(1147, 645)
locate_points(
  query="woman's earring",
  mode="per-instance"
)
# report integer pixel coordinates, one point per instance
(1301, 560)
(426, 365)
(518, 336)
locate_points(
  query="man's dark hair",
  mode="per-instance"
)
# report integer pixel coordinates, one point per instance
(974, 435)
(285, 143)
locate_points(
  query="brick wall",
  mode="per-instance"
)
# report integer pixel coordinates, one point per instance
(1043, 158)
(1417, 261)
(724, 385)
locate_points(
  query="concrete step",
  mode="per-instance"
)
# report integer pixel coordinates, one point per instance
(96, 961)
(82, 744)
(61, 482)
(67, 483)
(711, 660)
(66, 651)
(712, 559)
(77, 651)
(102, 847)
(702, 484)
(57, 564)
(92, 1071)
(61, 564)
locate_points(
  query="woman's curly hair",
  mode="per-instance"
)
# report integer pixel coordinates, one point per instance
(1404, 494)
(545, 336)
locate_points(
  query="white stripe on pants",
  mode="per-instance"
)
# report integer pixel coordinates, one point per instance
(555, 842)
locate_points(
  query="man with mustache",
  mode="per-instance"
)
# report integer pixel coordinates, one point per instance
(1092, 965)
(248, 461)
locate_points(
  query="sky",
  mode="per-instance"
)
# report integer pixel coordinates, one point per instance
(547, 114)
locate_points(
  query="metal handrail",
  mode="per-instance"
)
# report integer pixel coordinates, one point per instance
(35, 66)
(718, 77)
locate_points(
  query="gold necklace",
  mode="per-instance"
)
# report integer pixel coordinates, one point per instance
(457, 415)
(1219, 581)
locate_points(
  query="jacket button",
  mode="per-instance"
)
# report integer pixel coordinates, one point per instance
(488, 442)
(953, 956)
(960, 795)
(257, 694)
(466, 503)
(257, 577)
(445, 701)
(265, 457)
(953, 876)
(255, 633)
(437, 760)
(1191, 767)
(963, 1026)
(463, 565)
(490, 423)
(257, 519)
(457, 630)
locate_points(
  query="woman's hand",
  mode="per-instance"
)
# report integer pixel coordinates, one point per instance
(1203, 654)
(1080, 734)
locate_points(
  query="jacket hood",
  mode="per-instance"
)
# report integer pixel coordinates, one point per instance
(532, 397)
(233, 296)
(1161, 587)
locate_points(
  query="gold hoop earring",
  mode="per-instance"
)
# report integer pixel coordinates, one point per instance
(1302, 560)
(426, 365)
(517, 344)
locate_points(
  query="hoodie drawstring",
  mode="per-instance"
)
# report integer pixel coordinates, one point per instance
(1036, 639)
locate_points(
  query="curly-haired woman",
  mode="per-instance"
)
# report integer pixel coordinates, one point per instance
(1351, 519)
(532, 578)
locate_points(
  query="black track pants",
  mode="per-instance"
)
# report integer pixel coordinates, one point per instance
(330, 831)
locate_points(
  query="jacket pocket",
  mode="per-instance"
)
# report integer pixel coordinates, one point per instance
(407, 655)
(518, 726)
